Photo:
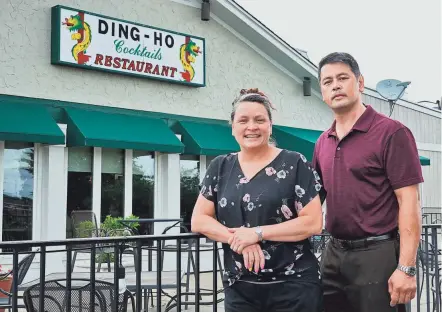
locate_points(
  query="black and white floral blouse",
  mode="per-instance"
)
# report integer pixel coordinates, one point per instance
(274, 195)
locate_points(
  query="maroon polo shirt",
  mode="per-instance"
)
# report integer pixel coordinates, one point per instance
(361, 172)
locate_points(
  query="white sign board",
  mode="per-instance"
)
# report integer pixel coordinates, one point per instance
(92, 41)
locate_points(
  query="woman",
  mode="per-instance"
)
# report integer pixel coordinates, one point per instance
(262, 204)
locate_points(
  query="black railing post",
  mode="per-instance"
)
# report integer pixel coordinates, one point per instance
(92, 278)
(70, 245)
(149, 258)
(14, 281)
(42, 278)
(116, 287)
(438, 297)
(159, 268)
(215, 276)
(418, 279)
(178, 275)
(197, 275)
(138, 276)
(68, 277)
(427, 269)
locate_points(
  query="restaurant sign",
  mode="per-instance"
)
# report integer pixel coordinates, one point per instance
(92, 41)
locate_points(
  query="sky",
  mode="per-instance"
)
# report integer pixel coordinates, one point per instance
(394, 39)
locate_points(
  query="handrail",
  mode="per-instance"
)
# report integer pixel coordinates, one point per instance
(94, 240)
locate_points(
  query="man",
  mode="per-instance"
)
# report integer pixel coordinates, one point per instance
(370, 169)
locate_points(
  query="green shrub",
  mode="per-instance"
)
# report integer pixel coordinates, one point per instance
(85, 229)
(103, 257)
(111, 227)
(113, 223)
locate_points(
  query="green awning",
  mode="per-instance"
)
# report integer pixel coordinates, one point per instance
(424, 161)
(296, 139)
(28, 123)
(121, 131)
(206, 138)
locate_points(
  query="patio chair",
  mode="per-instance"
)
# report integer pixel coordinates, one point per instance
(189, 248)
(127, 247)
(56, 295)
(22, 270)
(81, 231)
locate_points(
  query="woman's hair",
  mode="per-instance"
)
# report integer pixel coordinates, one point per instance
(252, 95)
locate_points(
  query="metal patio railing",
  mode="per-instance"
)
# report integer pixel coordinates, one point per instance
(169, 284)
(136, 281)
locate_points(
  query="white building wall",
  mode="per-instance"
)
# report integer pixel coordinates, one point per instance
(230, 66)
(426, 128)
(432, 186)
(427, 132)
(167, 190)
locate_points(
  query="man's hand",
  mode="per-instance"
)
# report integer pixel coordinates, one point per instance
(253, 257)
(402, 288)
(242, 237)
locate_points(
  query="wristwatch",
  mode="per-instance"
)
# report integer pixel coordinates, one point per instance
(258, 231)
(409, 270)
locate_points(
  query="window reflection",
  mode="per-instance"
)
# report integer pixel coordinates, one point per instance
(112, 183)
(18, 191)
(79, 182)
(189, 173)
(143, 180)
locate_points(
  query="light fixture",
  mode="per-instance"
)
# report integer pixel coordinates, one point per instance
(307, 86)
(438, 107)
(205, 10)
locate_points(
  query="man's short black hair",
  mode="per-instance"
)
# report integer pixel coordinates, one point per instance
(340, 57)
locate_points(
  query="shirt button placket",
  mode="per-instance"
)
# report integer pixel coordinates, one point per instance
(337, 152)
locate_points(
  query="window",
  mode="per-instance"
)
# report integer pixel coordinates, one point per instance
(112, 183)
(190, 177)
(18, 191)
(79, 182)
(143, 181)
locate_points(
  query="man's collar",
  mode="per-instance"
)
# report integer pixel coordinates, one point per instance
(363, 124)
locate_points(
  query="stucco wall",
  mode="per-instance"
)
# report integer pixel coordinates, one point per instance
(230, 65)
(425, 128)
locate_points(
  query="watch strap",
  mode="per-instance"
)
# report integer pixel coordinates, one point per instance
(258, 231)
(409, 270)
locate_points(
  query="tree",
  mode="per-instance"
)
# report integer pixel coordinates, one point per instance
(26, 171)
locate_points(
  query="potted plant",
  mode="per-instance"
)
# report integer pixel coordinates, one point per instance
(5, 283)
(111, 227)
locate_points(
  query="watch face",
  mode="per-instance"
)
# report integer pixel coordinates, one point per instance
(409, 270)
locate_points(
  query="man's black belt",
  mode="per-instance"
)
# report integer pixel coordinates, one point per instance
(364, 242)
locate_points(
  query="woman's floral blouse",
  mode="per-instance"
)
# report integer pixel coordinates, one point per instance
(277, 193)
